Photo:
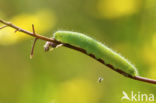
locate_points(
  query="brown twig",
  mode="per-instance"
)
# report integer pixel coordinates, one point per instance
(80, 50)
(3, 26)
(33, 46)
(33, 28)
(27, 32)
(32, 50)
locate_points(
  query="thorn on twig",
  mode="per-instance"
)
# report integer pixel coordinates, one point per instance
(3, 26)
(32, 50)
(33, 28)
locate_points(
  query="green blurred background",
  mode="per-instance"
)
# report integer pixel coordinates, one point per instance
(65, 75)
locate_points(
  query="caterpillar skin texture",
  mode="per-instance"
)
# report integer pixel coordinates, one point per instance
(99, 50)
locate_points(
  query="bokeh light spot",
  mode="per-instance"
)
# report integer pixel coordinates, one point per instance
(43, 20)
(117, 8)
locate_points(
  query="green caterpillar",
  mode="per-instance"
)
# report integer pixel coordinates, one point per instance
(99, 50)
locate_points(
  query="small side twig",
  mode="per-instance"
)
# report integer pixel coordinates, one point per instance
(33, 28)
(28, 32)
(33, 46)
(37, 36)
(3, 26)
(32, 50)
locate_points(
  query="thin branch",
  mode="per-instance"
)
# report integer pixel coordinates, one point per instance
(3, 26)
(33, 46)
(32, 50)
(33, 28)
(80, 50)
(28, 32)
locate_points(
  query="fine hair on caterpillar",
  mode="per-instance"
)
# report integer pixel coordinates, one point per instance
(96, 49)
